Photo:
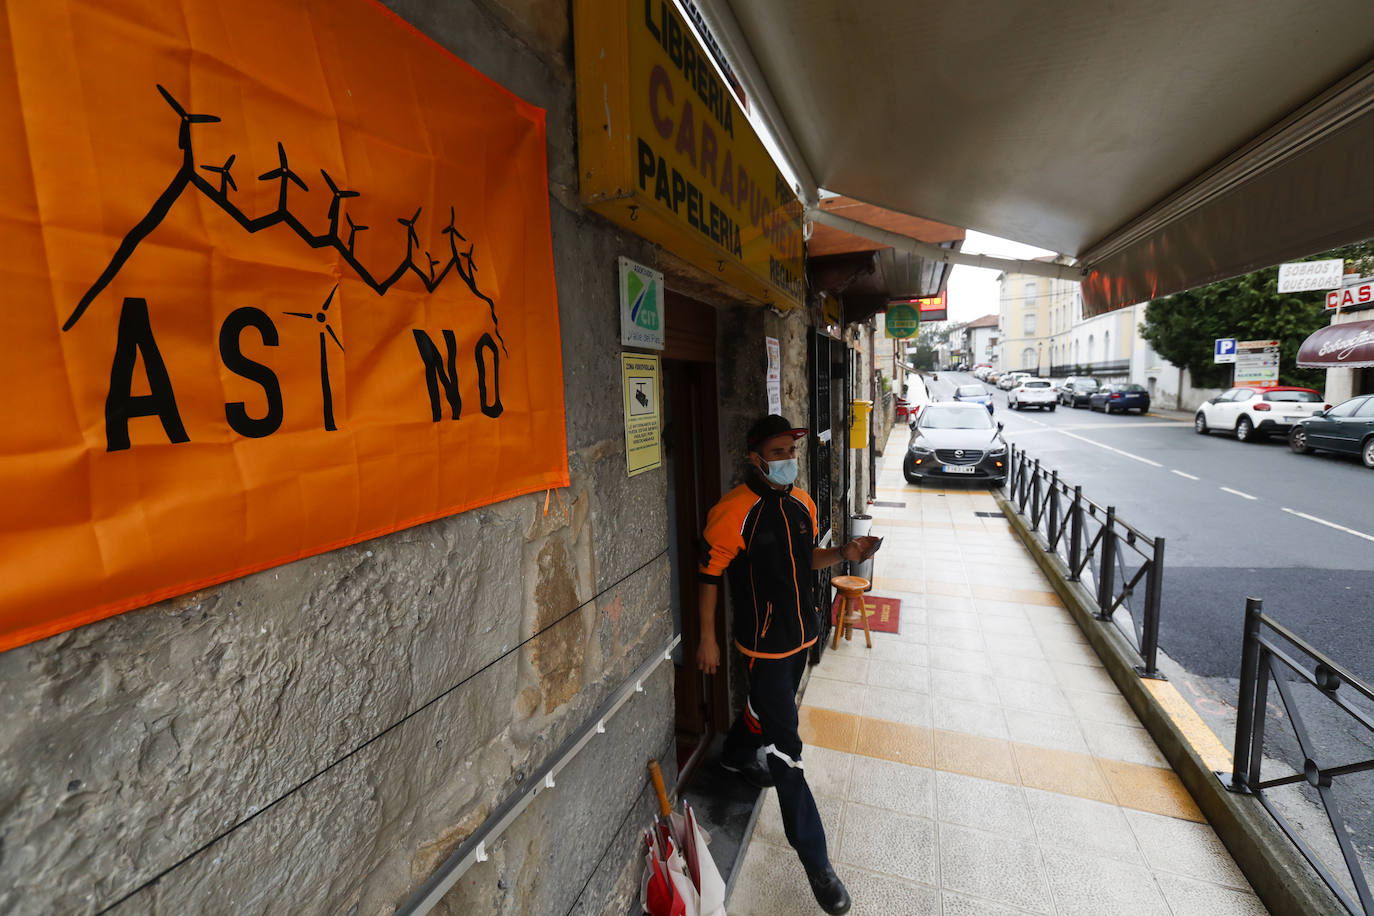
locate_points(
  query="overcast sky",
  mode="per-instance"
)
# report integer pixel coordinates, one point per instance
(972, 290)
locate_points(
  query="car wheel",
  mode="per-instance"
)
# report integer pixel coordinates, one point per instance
(1052, 407)
(1367, 452)
(1245, 430)
(1297, 441)
(1200, 424)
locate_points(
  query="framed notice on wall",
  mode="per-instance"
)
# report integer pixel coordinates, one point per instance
(643, 412)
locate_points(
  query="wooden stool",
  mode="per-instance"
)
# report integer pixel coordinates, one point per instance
(852, 589)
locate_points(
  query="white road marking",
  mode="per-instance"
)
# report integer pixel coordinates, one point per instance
(1238, 493)
(1153, 464)
(1322, 521)
(1181, 474)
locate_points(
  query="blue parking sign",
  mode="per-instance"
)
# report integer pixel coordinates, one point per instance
(1224, 350)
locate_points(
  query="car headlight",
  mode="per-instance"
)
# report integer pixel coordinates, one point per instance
(997, 450)
(921, 450)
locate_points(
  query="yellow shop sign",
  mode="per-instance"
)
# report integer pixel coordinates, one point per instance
(665, 151)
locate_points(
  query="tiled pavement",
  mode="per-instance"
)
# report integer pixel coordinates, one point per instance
(981, 761)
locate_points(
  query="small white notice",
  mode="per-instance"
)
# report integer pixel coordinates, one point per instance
(1304, 276)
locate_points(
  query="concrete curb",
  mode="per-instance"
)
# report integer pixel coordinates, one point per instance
(1277, 871)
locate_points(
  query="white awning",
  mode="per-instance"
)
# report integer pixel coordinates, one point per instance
(1164, 144)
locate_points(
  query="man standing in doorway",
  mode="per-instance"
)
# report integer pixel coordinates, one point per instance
(763, 535)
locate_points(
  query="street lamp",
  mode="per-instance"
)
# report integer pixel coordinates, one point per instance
(1039, 353)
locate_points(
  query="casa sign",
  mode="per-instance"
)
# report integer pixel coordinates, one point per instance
(665, 151)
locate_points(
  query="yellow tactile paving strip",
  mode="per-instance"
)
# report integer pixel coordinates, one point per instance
(1129, 785)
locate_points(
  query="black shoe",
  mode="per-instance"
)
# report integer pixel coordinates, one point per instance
(752, 772)
(829, 890)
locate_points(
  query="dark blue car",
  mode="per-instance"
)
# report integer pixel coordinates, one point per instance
(974, 394)
(1122, 397)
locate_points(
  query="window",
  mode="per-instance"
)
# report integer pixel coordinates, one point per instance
(1028, 293)
(1028, 324)
(1092, 341)
(1106, 346)
(1299, 396)
(1367, 410)
(1028, 358)
(1348, 408)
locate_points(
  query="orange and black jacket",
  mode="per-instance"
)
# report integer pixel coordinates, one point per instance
(762, 539)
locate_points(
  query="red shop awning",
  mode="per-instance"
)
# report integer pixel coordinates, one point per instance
(1349, 345)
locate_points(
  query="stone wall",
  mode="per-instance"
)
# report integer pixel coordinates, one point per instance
(319, 737)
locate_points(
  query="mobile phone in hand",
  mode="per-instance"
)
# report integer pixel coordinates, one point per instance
(876, 544)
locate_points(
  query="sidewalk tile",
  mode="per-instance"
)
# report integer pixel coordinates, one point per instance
(900, 676)
(895, 741)
(1095, 706)
(1148, 788)
(1082, 825)
(959, 660)
(961, 685)
(1090, 886)
(1188, 897)
(905, 706)
(986, 758)
(772, 882)
(875, 893)
(1036, 696)
(983, 804)
(959, 905)
(842, 696)
(888, 842)
(1084, 677)
(1061, 771)
(1123, 742)
(883, 784)
(949, 618)
(827, 728)
(973, 862)
(1019, 644)
(828, 771)
(1045, 730)
(955, 715)
(1185, 848)
(957, 638)
(1022, 668)
(842, 668)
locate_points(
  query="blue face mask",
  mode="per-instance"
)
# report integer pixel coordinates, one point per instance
(781, 473)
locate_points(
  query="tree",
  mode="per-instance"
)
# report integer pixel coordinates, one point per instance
(1182, 327)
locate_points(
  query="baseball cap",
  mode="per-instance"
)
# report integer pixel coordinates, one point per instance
(770, 426)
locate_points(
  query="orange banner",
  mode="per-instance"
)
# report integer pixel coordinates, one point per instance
(279, 279)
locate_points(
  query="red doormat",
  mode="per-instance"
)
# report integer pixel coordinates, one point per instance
(883, 613)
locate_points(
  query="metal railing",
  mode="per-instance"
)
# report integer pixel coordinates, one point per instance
(1271, 654)
(1120, 566)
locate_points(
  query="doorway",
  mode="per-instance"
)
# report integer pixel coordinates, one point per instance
(692, 461)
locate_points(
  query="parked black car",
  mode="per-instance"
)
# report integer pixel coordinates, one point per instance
(1347, 427)
(1076, 390)
(956, 440)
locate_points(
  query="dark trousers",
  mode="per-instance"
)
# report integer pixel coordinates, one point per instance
(769, 721)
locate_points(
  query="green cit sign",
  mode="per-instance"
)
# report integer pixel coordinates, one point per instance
(641, 306)
(902, 320)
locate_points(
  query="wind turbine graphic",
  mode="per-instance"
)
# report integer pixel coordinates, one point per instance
(323, 318)
(353, 230)
(225, 179)
(184, 135)
(412, 240)
(284, 174)
(334, 204)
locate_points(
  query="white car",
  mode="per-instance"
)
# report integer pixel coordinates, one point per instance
(1033, 392)
(917, 396)
(1252, 413)
(1011, 380)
